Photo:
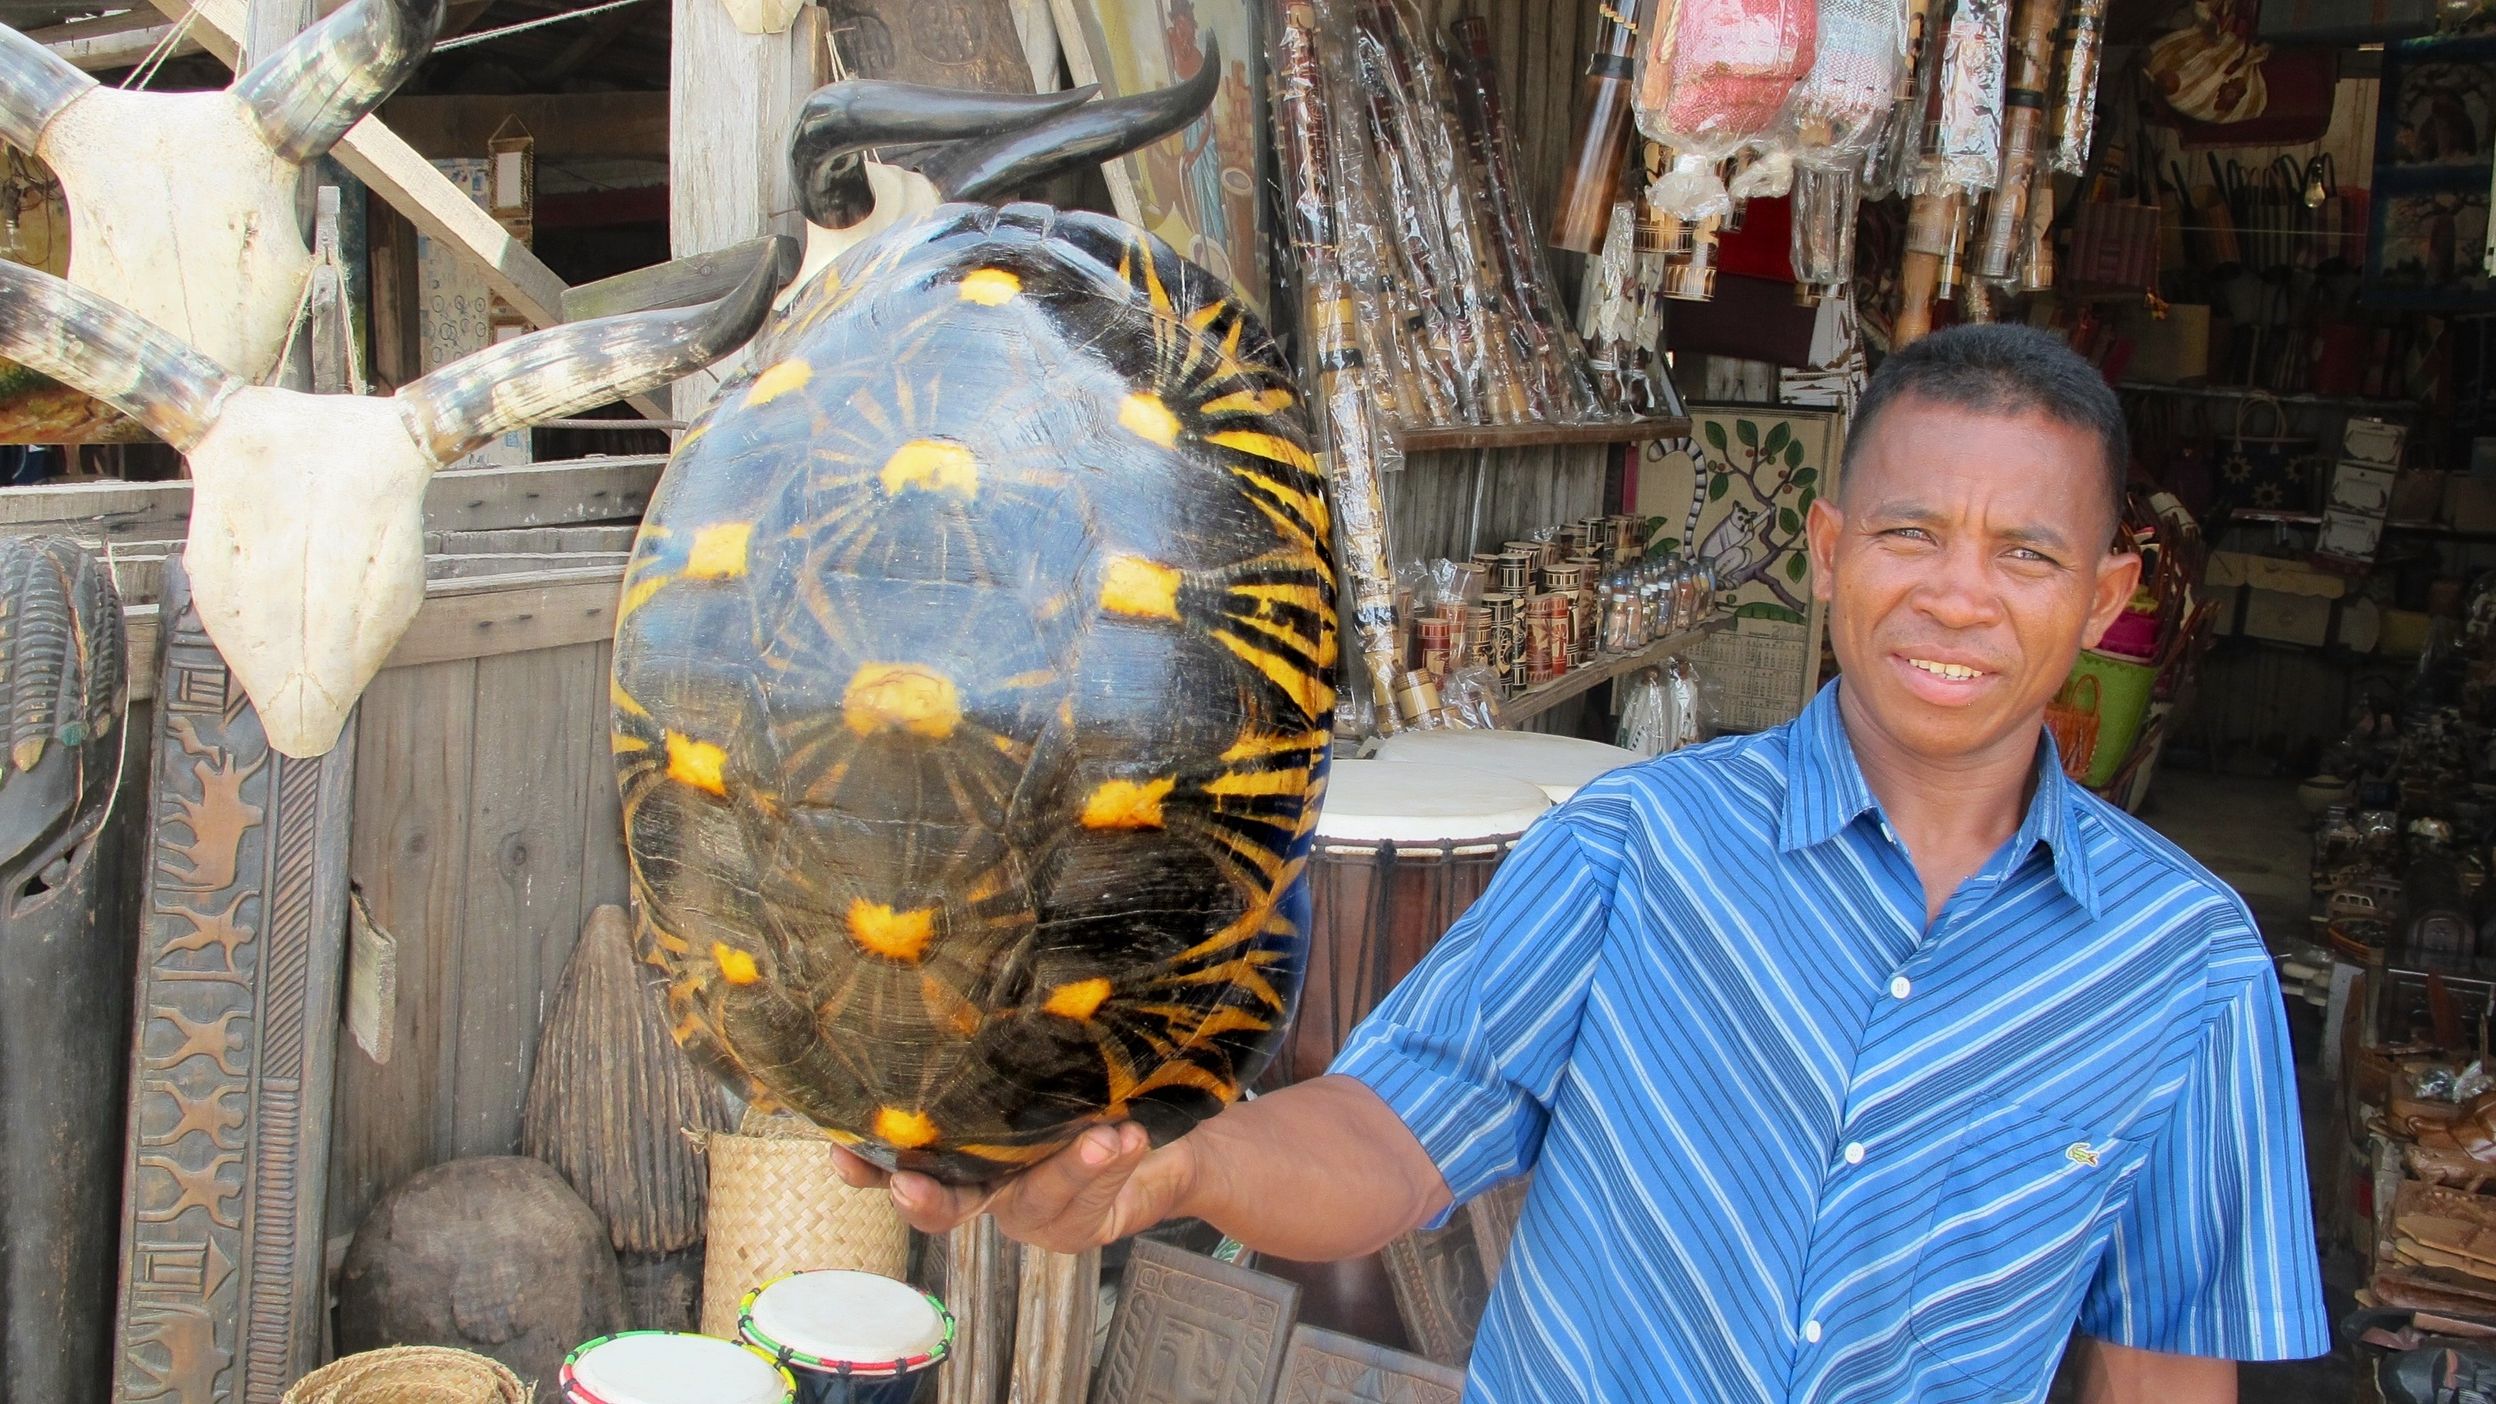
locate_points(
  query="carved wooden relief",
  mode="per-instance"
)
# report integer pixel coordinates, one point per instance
(64, 969)
(240, 952)
(1328, 1367)
(1191, 1330)
(1443, 1277)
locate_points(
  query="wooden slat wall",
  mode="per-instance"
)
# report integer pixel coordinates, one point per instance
(486, 828)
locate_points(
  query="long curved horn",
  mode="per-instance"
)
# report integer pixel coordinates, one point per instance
(308, 93)
(89, 344)
(35, 84)
(562, 370)
(843, 119)
(1083, 136)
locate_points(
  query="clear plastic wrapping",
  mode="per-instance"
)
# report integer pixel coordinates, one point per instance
(1713, 78)
(1889, 168)
(1963, 129)
(2071, 109)
(2029, 68)
(1825, 203)
(1842, 106)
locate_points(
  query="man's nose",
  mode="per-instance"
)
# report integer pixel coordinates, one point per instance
(1957, 592)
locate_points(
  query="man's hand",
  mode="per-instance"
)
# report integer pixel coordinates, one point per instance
(1108, 1184)
(1316, 1172)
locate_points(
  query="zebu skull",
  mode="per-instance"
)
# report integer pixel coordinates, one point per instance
(994, 143)
(306, 549)
(182, 205)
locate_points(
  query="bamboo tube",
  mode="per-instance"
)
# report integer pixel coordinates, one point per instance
(1932, 240)
(2023, 130)
(1600, 139)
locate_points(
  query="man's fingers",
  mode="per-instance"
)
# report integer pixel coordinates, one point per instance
(1066, 1202)
(932, 1207)
(856, 1171)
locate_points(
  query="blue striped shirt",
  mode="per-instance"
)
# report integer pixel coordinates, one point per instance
(1790, 1144)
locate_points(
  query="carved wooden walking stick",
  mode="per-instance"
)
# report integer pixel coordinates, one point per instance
(64, 969)
(1600, 141)
(2031, 64)
(1932, 241)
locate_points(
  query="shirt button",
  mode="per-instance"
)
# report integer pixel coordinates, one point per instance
(1900, 987)
(1854, 1152)
(1811, 1332)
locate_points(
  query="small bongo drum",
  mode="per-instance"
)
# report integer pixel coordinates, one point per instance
(848, 1337)
(1556, 765)
(1401, 851)
(672, 1367)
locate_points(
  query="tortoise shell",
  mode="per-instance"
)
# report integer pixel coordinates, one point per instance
(973, 687)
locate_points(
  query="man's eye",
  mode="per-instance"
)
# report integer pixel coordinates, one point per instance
(2022, 553)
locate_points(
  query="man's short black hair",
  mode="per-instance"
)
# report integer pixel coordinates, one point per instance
(1999, 368)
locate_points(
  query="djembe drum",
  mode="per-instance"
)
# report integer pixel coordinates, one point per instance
(848, 1337)
(1557, 765)
(672, 1367)
(1402, 849)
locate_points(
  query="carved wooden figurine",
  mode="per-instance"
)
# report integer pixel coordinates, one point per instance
(307, 512)
(64, 970)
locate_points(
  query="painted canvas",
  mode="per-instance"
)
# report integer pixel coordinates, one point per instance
(1200, 188)
(1735, 493)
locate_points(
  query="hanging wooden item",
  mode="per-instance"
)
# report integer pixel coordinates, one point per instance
(308, 565)
(614, 1106)
(494, 1255)
(64, 969)
(240, 948)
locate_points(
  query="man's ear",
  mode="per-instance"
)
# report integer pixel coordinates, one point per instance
(2118, 579)
(1820, 530)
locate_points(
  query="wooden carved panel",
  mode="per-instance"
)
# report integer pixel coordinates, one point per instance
(1328, 1367)
(1443, 1276)
(240, 952)
(1191, 1330)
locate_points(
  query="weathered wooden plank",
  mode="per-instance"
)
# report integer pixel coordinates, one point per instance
(487, 616)
(474, 565)
(478, 499)
(408, 856)
(523, 911)
(605, 878)
(112, 41)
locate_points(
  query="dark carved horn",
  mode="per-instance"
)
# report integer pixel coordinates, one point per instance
(842, 119)
(566, 369)
(308, 93)
(35, 84)
(1083, 136)
(93, 345)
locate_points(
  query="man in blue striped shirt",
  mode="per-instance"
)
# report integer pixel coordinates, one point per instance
(1859, 1060)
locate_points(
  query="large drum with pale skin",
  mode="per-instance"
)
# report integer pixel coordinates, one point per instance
(1402, 849)
(1557, 765)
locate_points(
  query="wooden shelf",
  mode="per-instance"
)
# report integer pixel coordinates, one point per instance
(1435, 437)
(1535, 701)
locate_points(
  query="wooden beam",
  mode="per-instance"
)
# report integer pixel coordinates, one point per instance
(111, 41)
(483, 616)
(677, 283)
(630, 126)
(732, 98)
(478, 499)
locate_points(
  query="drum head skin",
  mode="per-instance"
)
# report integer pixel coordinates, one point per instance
(1558, 765)
(1384, 801)
(859, 1322)
(671, 1367)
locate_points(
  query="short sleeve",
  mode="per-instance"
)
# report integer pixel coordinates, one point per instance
(2214, 1253)
(1469, 1049)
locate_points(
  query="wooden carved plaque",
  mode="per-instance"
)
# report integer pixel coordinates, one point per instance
(1328, 1367)
(1190, 1330)
(1443, 1276)
(240, 951)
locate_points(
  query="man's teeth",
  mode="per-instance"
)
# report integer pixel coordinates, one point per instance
(1955, 671)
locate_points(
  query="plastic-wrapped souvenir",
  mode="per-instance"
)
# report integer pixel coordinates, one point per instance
(2072, 106)
(1842, 106)
(2031, 64)
(1713, 78)
(1963, 130)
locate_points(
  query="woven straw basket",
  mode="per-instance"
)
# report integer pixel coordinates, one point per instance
(410, 1375)
(778, 1207)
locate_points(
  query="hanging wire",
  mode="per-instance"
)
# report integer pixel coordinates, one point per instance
(157, 57)
(464, 40)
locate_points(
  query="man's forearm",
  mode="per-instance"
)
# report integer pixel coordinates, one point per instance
(2113, 1374)
(1316, 1172)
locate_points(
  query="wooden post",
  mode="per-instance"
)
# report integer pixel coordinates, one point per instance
(732, 98)
(982, 1279)
(1054, 1325)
